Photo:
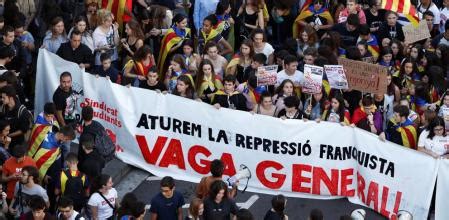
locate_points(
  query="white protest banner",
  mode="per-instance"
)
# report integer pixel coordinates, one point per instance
(267, 75)
(336, 76)
(442, 191)
(313, 79)
(170, 135)
(413, 34)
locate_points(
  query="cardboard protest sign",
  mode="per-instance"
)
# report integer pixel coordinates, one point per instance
(267, 75)
(365, 77)
(413, 34)
(313, 79)
(336, 76)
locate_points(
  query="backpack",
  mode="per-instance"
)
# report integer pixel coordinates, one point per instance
(104, 145)
(29, 117)
(74, 187)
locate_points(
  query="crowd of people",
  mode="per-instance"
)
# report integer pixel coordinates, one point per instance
(209, 51)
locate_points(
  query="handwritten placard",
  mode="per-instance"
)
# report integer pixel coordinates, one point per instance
(365, 77)
(416, 33)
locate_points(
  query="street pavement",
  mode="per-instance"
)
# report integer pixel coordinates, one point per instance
(145, 186)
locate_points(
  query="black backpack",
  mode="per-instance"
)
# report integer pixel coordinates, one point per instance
(104, 145)
(74, 187)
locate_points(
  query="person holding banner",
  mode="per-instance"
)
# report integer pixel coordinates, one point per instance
(265, 105)
(434, 141)
(229, 98)
(291, 110)
(337, 112)
(207, 83)
(367, 117)
(185, 87)
(282, 91)
(400, 129)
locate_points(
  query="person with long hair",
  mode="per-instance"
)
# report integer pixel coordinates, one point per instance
(55, 36)
(241, 61)
(433, 141)
(185, 87)
(317, 16)
(82, 26)
(133, 41)
(278, 204)
(390, 29)
(337, 112)
(104, 198)
(308, 38)
(285, 89)
(173, 40)
(218, 61)
(196, 210)
(106, 37)
(250, 16)
(224, 19)
(136, 70)
(191, 58)
(265, 105)
(156, 23)
(315, 105)
(407, 74)
(261, 45)
(218, 197)
(91, 14)
(177, 68)
(207, 82)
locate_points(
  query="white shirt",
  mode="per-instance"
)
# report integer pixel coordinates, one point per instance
(297, 78)
(104, 210)
(267, 50)
(438, 144)
(444, 15)
(73, 216)
(101, 39)
(433, 8)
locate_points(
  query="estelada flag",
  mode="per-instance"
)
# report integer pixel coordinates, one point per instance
(120, 8)
(402, 7)
(306, 12)
(170, 39)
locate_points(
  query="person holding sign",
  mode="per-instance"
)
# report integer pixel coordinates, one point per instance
(315, 105)
(207, 83)
(290, 72)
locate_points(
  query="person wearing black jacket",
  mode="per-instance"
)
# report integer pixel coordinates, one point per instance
(90, 126)
(229, 98)
(390, 29)
(16, 114)
(92, 163)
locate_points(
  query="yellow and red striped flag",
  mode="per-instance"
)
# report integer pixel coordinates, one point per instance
(402, 7)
